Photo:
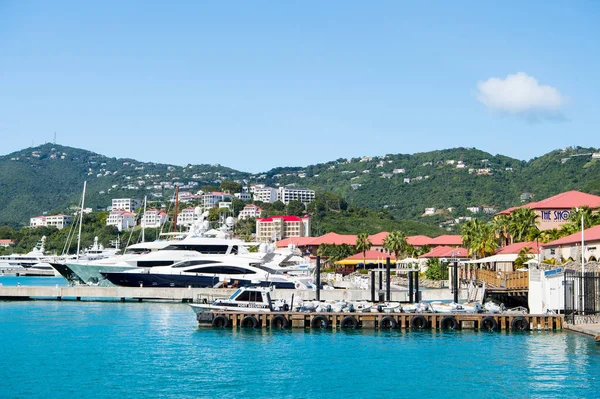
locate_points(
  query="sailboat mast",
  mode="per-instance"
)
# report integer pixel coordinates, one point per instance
(143, 222)
(81, 219)
(176, 209)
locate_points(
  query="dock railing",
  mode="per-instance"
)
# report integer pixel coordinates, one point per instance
(508, 280)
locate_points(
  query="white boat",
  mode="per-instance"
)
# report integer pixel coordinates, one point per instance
(245, 299)
(452, 307)
(20, 261)
(208, 271)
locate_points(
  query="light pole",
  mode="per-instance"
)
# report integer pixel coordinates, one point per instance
(582, 263)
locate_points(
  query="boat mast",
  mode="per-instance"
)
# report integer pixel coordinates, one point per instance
(80, 219)
(143, 222)
(176, 209)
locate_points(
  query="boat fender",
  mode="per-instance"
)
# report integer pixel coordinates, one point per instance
(349, 322)
(419, 322)
(449, 323)
(519, 323)
(249, 321)
(297, 286)
(279, 321)
(488, 323)
(319, 322)
(380, 308)
(286, 307)
(220, 321)
(388, 322)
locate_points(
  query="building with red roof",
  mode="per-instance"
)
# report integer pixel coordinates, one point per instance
(6, 243)
(518, 246)
(554, 211)
(446, 252)
(569, 247)
(418, 241)
(276, 228)
(449, 240)
(370, 257)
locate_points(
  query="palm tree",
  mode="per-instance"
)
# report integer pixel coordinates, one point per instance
(396, 243)
(363, 244)
(479, 238)
(500, 224)
(525, 254)
(522, 221)
(590, 218)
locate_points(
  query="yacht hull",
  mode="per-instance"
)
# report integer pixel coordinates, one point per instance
(183, 281)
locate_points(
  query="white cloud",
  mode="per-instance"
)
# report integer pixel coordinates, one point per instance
(521, 95)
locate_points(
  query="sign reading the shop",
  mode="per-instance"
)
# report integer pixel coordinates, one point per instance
(555, 216)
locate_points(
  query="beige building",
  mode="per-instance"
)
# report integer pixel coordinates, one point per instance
(276, 228)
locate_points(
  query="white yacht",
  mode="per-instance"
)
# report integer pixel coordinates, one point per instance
(20, 261)
(210, 271)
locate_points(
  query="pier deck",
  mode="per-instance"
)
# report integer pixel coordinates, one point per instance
(415, 321)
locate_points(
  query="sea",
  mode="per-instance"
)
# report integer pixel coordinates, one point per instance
(70, 349)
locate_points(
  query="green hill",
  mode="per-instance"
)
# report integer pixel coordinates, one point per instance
(49, 178)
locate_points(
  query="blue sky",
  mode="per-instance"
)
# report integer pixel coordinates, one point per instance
(255, 85)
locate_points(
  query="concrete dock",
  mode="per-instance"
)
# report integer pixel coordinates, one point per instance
(85, 292)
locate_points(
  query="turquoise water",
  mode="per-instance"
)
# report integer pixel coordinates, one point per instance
(53, 349)
(13, 281)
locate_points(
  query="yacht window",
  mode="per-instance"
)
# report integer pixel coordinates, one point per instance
(222, 270)
(234, 250)
(205, 249)
(250, 296)
(195, 263)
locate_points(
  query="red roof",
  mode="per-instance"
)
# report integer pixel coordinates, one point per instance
(285, 219)
(372, 254)
(517, 247)
(447, 240)
(446, 252)
(334, 238)
(6, 241)
(297, 241)
(589, 235)
(418, 241)
(379, 238)
(566, 200)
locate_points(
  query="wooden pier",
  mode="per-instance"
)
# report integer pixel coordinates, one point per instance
(382, 321)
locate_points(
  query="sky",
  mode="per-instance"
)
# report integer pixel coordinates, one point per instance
(255, 85)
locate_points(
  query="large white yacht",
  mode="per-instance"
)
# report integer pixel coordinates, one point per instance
(20, 261)
(211, 271)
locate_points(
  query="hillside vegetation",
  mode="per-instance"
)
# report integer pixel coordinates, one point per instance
(397, 187)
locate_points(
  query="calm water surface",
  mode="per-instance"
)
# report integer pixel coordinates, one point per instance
(53, 349)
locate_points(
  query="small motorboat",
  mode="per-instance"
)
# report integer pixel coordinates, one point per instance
(245, 299)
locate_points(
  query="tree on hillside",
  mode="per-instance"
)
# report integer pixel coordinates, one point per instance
(396, 243)
(231, 187)
(363, 244)
(295, 208)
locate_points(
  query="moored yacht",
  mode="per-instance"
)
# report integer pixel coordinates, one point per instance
(208, 272)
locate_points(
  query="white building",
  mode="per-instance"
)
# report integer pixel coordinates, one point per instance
(59, 221)
(243, 196)
(287, 194)
(265, 194)
(125, 204)
(250, 211)
(186, 217)
(123, 220)
(211, 200)
(154, 218)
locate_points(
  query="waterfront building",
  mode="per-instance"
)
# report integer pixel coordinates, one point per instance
(154, 218)
(59, 221)
(278, 227)
(250, 211)
(569, 247)
(125, 204)
(553, 212)
(123, 220)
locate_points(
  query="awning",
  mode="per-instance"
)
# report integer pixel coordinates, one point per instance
(494, 258)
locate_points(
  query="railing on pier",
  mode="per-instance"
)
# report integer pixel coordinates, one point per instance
(508, 280)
